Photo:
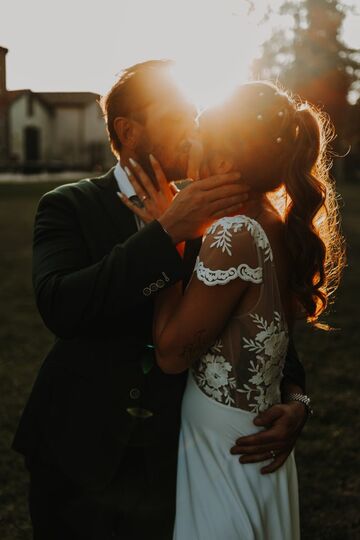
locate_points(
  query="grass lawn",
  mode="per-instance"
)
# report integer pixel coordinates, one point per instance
(327, 454)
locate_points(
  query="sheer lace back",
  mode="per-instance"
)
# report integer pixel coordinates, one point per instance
(244, 367)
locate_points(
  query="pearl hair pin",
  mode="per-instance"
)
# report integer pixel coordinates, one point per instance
(261, 94)
(279, 140)
(281, 113)
(259, 117)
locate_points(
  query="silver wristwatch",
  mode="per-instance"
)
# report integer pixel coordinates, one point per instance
(303, 398)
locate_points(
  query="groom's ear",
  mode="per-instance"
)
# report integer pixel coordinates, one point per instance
(128, 132)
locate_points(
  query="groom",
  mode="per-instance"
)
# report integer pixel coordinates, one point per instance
(100, 430)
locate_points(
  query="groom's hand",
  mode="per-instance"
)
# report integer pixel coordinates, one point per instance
(283, 423)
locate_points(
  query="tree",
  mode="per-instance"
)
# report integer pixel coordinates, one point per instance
(311, 58)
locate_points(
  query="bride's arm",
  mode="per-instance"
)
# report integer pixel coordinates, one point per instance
(186, 325)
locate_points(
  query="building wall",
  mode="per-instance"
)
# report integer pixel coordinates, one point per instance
(70, 136)
(4, 151)
(96, 139)
(20, 118)
(80, 138)
(3, 108)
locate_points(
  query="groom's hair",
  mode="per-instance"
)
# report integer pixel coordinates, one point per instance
(136, 88)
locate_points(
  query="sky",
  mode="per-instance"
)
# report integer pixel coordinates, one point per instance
(77, 45)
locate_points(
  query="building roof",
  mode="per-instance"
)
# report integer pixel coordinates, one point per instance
(52, 100)
(68, 99)
(12, 95)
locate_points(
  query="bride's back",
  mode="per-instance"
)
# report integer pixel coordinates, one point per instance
(244, 366)
(274, 228)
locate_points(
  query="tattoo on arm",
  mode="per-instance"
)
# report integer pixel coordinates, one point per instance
(193, 350)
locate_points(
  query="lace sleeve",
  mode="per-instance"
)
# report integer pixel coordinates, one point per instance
(233, 248)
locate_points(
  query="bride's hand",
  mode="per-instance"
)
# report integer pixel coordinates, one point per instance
(155, 201)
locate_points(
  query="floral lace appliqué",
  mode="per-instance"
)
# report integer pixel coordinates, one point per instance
(223, 229)
(222, 277)
(269, 347)
(213, 375)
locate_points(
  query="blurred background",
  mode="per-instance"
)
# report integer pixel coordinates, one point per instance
(56, 59)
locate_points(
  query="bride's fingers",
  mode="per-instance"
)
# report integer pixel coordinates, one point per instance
(143, 178)
(140, 212)
(159, 173)
(139, 190)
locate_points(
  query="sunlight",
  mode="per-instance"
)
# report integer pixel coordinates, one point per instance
(229, 41)
(211, 83)
(213, 43)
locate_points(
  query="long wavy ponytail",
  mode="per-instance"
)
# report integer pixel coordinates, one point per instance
(314, 239)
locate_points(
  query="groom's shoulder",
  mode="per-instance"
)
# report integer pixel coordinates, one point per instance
(75, 191)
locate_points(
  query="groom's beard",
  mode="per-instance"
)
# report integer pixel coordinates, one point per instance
(173, 164)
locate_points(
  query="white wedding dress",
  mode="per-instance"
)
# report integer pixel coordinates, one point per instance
(219, 498)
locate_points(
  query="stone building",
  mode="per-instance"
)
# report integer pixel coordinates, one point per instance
(50, 130)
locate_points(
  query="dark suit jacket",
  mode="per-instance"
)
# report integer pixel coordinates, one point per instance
(95, 277)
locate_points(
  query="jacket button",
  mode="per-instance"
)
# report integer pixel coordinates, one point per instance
(134, 393)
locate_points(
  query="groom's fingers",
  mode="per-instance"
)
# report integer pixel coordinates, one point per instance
(276, 464)
(256, 458)
(229, 211)
(219, 180)
(217, 195)
(248, 450)
(226, 203)
(271, 435)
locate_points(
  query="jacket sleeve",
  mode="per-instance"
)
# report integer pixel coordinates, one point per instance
(294, 370)
(72, 292)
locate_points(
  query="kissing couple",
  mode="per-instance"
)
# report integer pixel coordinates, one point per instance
(171, 400)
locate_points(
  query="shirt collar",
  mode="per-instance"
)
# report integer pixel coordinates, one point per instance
(123, 182)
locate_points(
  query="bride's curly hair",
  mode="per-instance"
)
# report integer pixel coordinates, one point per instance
(281, 145)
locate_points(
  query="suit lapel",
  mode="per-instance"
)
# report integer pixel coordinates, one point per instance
(121, 217)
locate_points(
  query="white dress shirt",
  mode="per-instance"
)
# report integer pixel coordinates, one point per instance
(126, 188)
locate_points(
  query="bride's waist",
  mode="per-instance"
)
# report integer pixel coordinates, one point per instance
(203, 412)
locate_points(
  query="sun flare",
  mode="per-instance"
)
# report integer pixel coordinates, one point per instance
(212, 43)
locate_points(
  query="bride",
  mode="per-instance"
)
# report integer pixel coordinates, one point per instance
(255, 274)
